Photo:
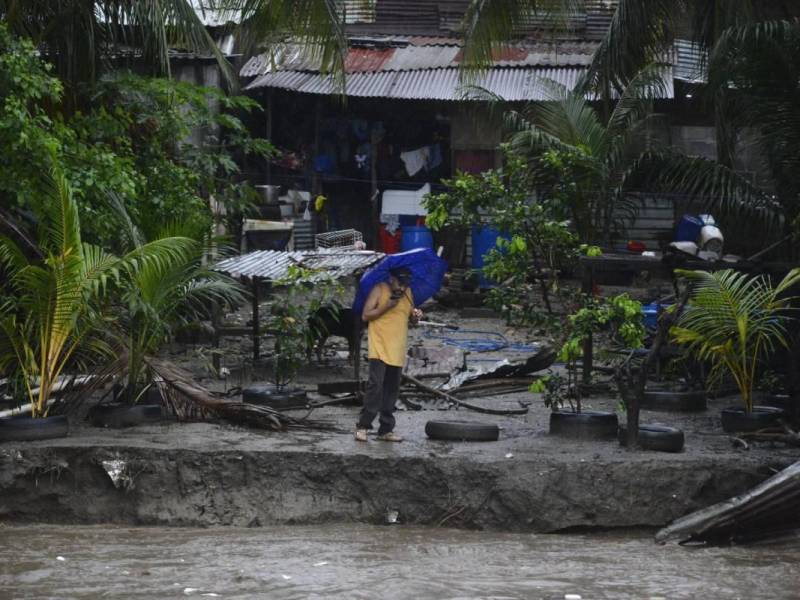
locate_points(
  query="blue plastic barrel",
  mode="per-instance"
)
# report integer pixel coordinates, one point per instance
(416, 236)
(484, 238)
(688, 229)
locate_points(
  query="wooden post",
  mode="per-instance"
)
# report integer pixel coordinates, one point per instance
(588, 349)
(316, 185)
(215, 325)
(357, 328)
(256, 327)
(373, 191)
(269, 133)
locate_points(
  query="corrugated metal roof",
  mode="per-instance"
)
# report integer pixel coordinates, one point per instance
(411, 57)
(511, 84)
(690, 61)
(273, 265)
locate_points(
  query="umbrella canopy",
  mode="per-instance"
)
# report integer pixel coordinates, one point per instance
(427, 273)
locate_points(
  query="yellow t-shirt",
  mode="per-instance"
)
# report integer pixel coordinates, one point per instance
(387, 335)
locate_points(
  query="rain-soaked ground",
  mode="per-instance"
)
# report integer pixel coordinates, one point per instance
(359, 561)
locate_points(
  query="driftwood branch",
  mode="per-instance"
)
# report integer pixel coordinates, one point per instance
(456, 402)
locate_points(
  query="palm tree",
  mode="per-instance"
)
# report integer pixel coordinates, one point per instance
(161, 296)
(735, 321)
(754, 74)
(641, 32)
(83, 38)
(606, 164)
(50, 319)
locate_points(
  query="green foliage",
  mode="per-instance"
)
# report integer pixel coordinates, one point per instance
(619, 318)
(53, 319)
(142, 142)
(620, 315)
(162, 148)
(26, 137)
(735, 321)
(304, 292)
(556, 390)
(539, 242)
(161, 296)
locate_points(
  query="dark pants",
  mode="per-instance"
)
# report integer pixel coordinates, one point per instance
(382, 390)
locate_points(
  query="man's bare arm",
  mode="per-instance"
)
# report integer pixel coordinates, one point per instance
(372, 307)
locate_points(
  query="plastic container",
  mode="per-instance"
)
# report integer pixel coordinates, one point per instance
(650, 312)
(688, 229)
(390, 242)
(416, 236)
(483, 239)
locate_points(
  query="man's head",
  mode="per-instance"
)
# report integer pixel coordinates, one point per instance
(402, 275)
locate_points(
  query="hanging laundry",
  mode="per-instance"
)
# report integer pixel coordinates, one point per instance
(434, 157)
(415, 160)
(361, 162)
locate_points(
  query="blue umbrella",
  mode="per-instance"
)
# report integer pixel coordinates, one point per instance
(427, 273)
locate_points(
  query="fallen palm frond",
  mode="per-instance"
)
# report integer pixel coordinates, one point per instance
(190, 401)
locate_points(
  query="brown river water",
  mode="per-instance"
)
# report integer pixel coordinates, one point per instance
(361, 561)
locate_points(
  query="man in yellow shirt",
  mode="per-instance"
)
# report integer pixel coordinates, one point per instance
(388, 310)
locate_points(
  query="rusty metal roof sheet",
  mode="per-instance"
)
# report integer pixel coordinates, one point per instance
(273, 265)
(510, 84)
(410, 56)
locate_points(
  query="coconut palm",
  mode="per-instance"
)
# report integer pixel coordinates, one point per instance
(607, 164)
(735, 321)
(754, 74)
(162, 296)
(50, 318)
(84, 38)
(641, 31)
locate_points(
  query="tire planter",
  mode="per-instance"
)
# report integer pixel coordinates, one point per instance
(675, 401)
(117, 416)
(586, 425)
(735, 420)
(655, 437)
(782, 401)
(462, 431)
(272, 397)
(26, 429)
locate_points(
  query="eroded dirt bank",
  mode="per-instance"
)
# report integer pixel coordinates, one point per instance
(205, 474)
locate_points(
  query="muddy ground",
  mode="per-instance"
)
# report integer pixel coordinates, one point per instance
(218, 474)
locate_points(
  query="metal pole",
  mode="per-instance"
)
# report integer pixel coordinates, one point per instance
(256, 329)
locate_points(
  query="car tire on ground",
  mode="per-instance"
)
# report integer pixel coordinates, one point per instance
(660, 438)
(585, 425)
(678, 401)
(270, 396)
(462, 431)
(27, 429)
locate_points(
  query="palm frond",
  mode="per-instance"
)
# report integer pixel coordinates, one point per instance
(734, 320)
(318, 25)
(705, 182)
(569, 117)
(83, 37)
(639, 34)
(492, 24)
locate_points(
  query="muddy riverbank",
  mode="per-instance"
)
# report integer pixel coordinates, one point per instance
(206, 474)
